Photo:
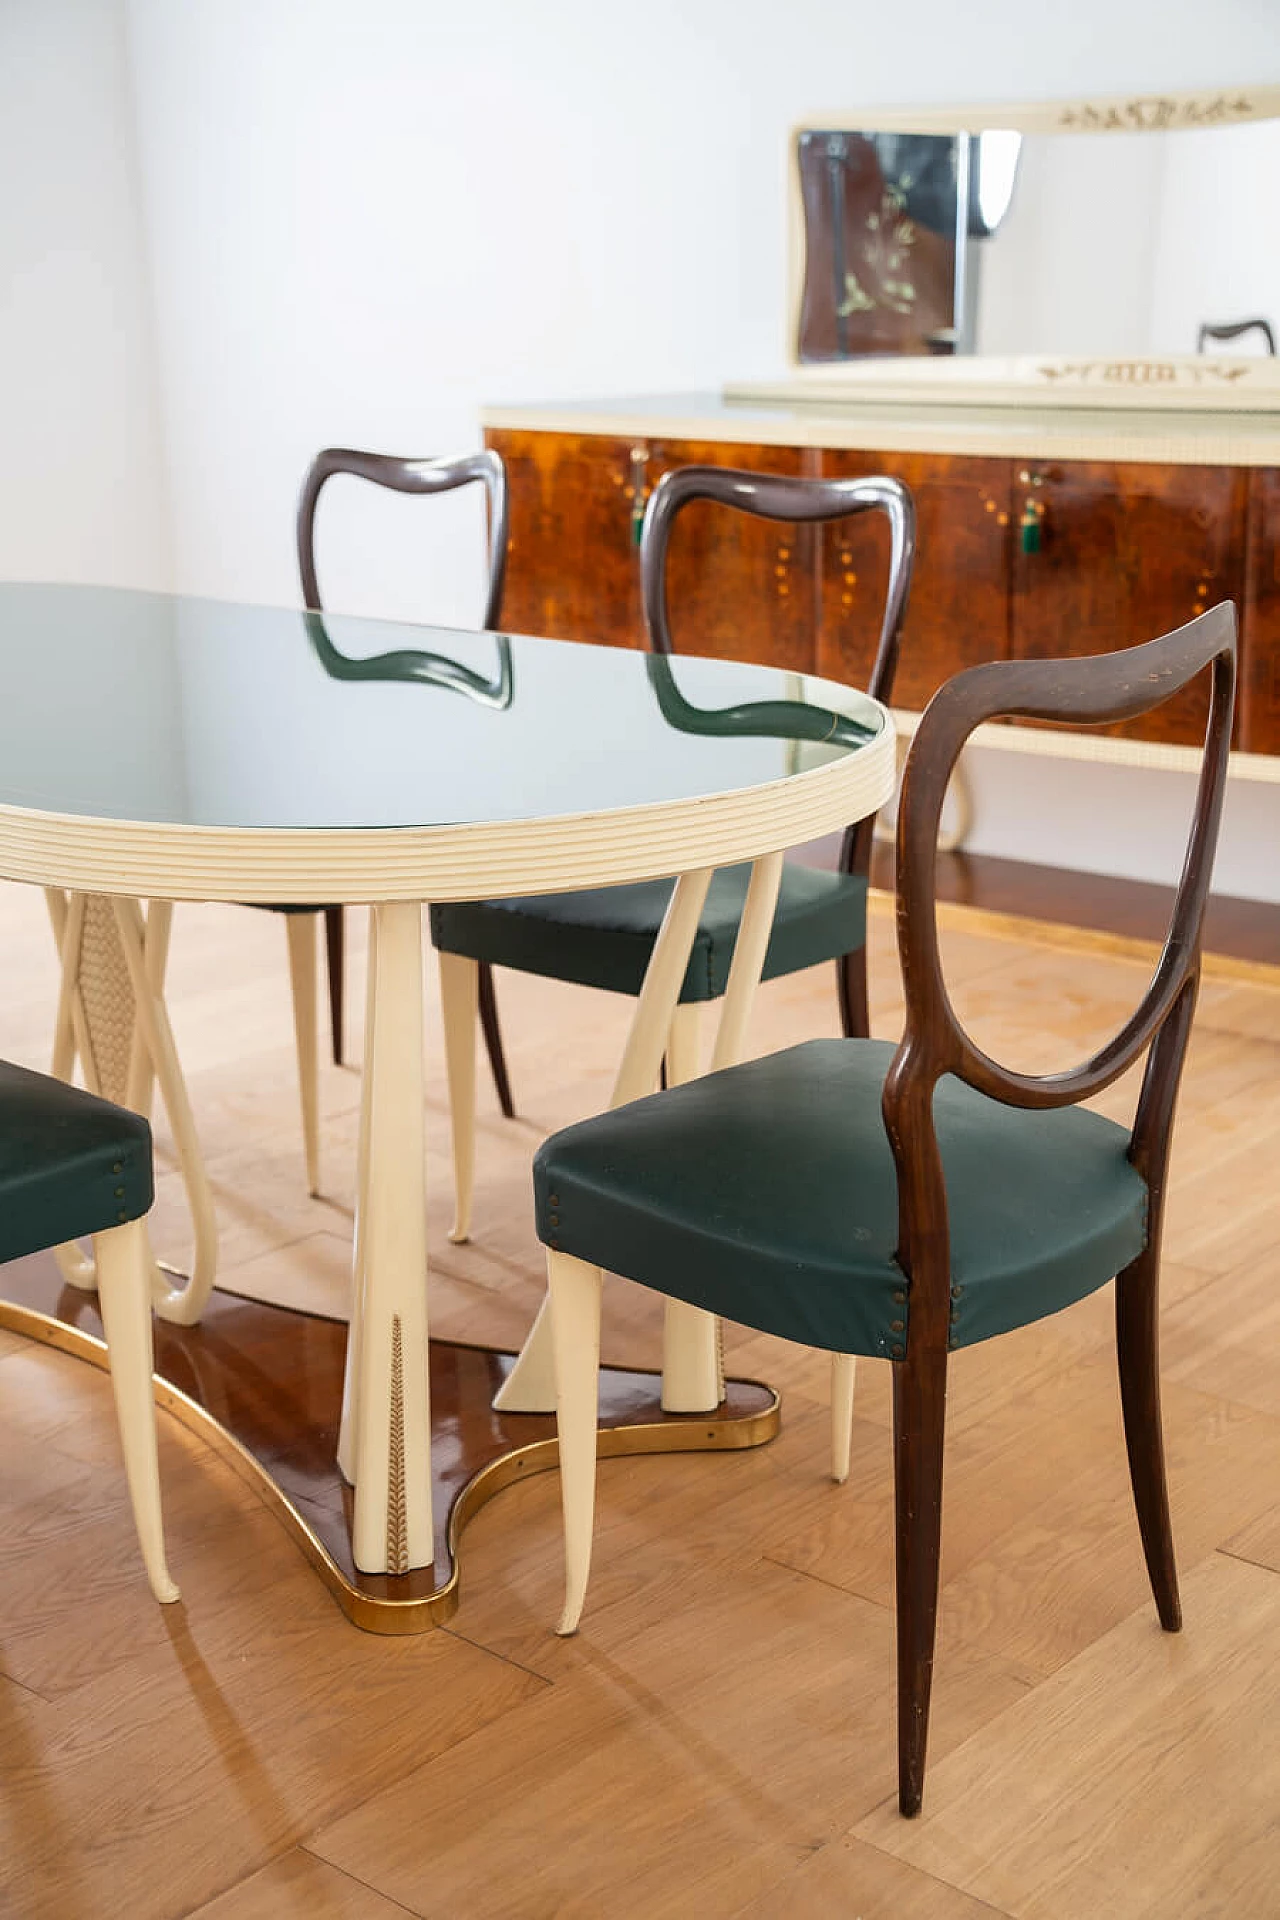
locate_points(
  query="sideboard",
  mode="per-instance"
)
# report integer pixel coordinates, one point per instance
(1038, 534)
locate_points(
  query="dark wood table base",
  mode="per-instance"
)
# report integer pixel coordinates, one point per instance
(263, 1386)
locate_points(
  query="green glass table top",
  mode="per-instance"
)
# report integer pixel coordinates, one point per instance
(153, 707)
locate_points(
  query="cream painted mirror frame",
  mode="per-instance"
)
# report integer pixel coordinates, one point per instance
(1218, 383)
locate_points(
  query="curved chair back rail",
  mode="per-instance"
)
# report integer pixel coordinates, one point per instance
(1089, 691)
(419, 475)
(803, 501)
(1232, 331)
(604, 937)
(406, 475)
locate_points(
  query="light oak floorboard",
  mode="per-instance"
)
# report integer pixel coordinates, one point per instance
(686, 1755)
(297, 1886)
(1259, 1541)
(719, 1739)
(1142, 1779)
(163, 1755)
(850, 1877)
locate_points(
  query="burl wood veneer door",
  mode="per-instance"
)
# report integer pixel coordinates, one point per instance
(1260, 663)
(571, 560)
(739, 588)
(1120, 554)
(958, 612)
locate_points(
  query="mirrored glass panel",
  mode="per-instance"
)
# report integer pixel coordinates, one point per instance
(1082, 242)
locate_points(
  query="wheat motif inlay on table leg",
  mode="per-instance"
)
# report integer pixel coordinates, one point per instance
(397, 1522)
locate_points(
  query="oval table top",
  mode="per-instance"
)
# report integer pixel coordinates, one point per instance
(162, 746)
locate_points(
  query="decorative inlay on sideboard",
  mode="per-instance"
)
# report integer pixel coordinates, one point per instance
(1153, 113)
(1145, 373)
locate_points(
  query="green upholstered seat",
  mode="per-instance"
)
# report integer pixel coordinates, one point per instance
(604, 937)
(70, 1164)
(768, 1194)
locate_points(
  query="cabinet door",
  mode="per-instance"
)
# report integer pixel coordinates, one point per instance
(571, 564)
(1260, 651)
(958, 611)
(739, 588)
(1124, 553)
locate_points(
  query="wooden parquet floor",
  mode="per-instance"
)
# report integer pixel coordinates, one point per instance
(719, 1738)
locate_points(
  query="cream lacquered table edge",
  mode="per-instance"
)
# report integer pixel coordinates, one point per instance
(96, 868)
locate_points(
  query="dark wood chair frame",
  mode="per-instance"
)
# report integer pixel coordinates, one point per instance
(419, 476)
(1089, 692)
(796, 500)
(1233, 331)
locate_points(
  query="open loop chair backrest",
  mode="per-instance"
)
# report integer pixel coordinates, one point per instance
(409, 476)
(1234, 330)
(1086, 691)
(793, 499)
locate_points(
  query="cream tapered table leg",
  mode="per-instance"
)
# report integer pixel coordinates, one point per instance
(112, 1014)
(300, 930)
(124, 1264)
(692, 1359)
(392, 1423)
(530, 1387)
(459, 1004)
(351, 1370)
(692, 1348)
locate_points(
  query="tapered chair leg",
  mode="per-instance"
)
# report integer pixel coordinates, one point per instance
(851, 988)
(692, 1361)
(459, 992)
(843, 1367)
(574, 1290)
(123, 1259)
(919, 1420)
(335, 956)
(301, 931)
(488, 1003)
(1138, 1354)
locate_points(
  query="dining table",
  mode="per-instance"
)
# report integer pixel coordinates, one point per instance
(158, 748)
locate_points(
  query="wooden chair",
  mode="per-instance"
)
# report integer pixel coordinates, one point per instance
(430, 476)
(70, 1165)
(1234, 330)
(905, 1202)
(603, 938)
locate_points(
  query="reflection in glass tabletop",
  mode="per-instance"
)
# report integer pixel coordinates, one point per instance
(153, 707)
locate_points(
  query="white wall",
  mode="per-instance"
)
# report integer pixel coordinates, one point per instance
(367, 221)
(1070, 269)
(1126, 242)
(1217, 246)
(82, 482)
(363, 222)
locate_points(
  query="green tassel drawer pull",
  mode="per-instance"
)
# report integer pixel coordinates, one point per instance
(1031, 525)
(636, 490)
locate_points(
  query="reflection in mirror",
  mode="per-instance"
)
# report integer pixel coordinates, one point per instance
(1243, 333)
(1127, 241)
(756, 719)
(411, 663)
(889, 223)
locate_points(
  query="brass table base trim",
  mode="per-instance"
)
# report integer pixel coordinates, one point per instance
(721, 1431)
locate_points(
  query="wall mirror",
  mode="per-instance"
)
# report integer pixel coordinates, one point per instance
(1124, 241)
